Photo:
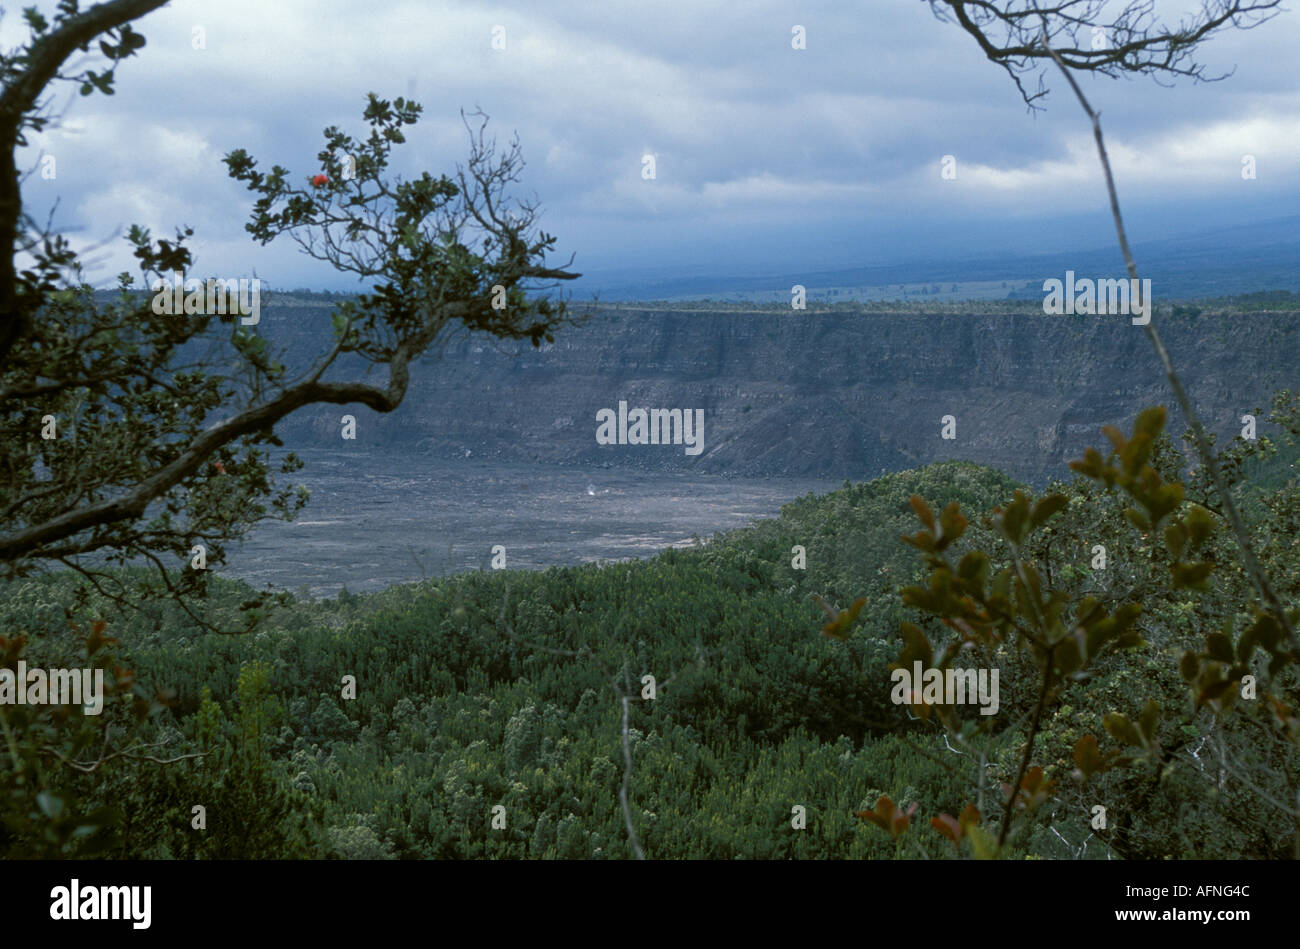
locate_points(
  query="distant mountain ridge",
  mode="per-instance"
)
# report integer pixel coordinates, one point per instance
(828, 392)
(1220, 262)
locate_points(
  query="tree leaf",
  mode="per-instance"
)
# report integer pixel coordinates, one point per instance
(1087, 756)
(922, 511)
(1150, 422)
(916, 645)
(51, 804)
(1214, 691)
(1048, 506)
(1219, 647)
(947, 825)
(953, 524)
(1199, 524)
(1149, 720)
(1121, 729)
(1136, 518)
(969, 817)
(1193, 575)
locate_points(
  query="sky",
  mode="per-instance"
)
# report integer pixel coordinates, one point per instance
(767, 158)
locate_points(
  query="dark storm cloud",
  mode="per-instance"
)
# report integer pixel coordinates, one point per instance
(766, 156)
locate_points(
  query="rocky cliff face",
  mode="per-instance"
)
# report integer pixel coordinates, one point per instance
(819, 394)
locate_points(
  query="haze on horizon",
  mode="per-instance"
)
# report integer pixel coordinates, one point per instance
(768, 159)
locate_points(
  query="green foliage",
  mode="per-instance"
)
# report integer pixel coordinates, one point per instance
(491, 688)
(1083, 632)
(138, 446)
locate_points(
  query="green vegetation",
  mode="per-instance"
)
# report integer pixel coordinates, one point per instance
(494, 688)
(684, 706)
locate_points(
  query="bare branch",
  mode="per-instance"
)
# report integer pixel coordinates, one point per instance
(1133, 41)
(1201, 440)
(622, 794)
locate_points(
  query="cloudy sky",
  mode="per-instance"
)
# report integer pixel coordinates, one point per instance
(767, 158)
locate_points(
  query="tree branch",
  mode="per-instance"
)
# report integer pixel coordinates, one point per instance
(18, 99)
(1202, 442)
(256, 418)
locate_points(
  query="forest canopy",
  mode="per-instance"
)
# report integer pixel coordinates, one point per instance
(489, 690)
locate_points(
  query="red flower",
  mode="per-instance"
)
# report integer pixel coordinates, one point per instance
(219, 466)
(321, 179)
